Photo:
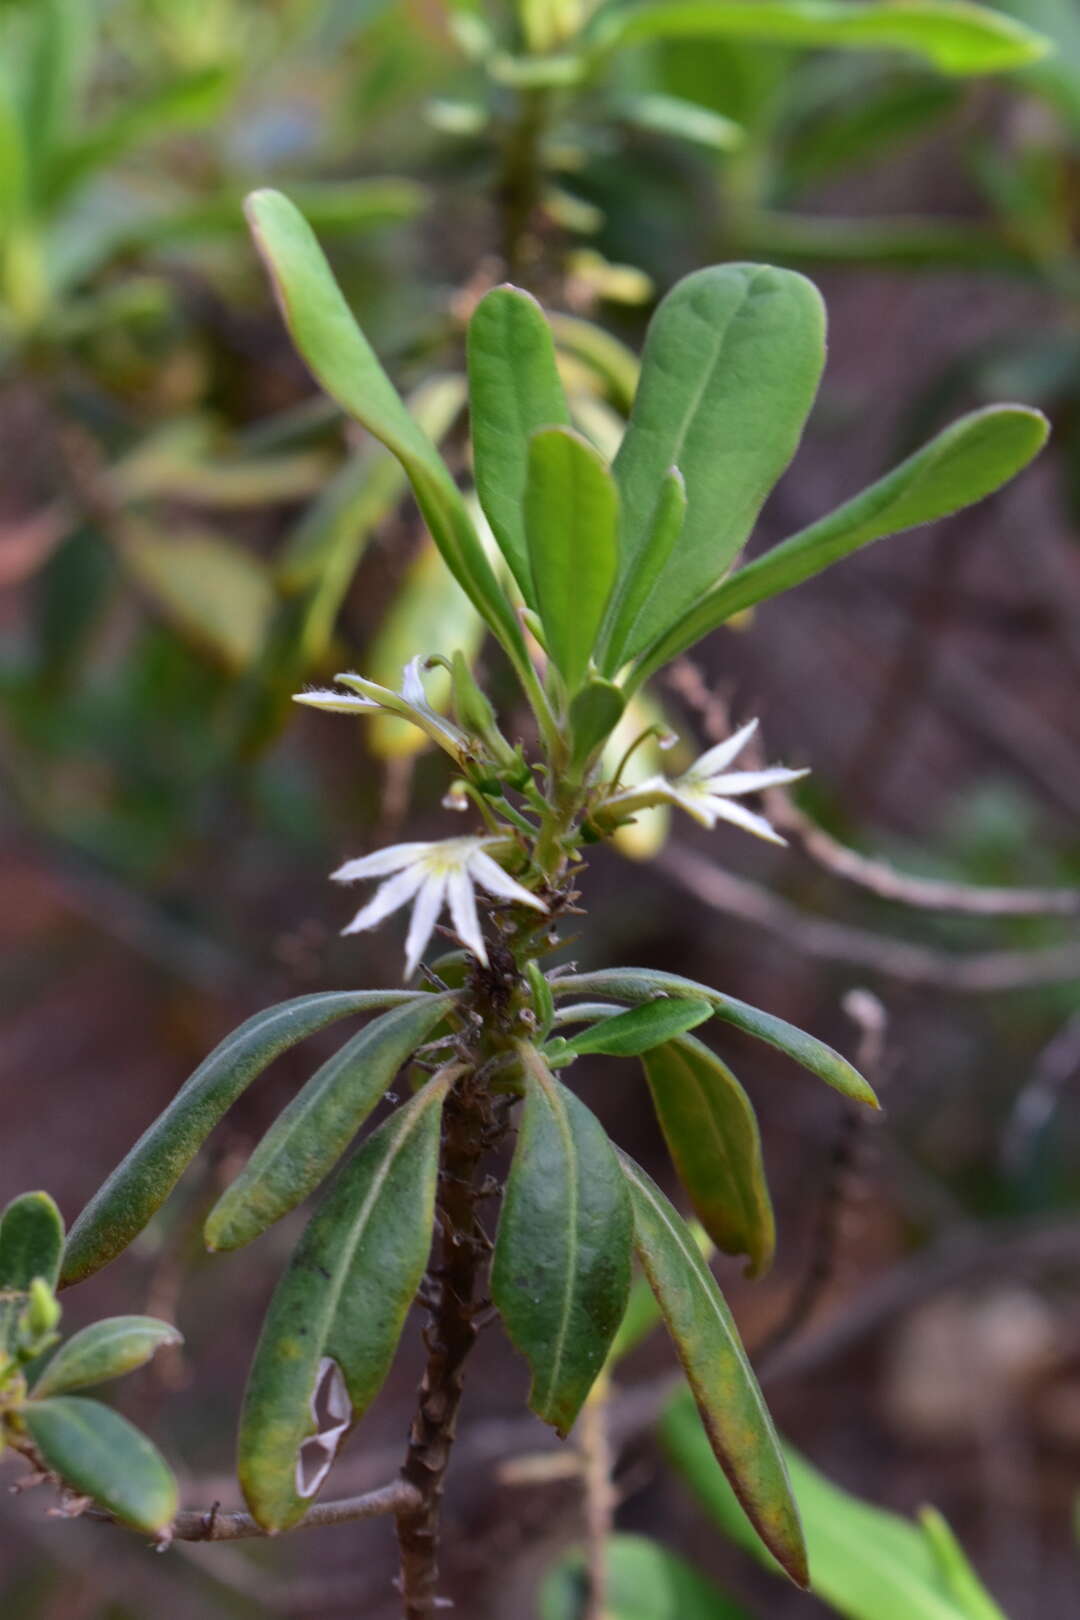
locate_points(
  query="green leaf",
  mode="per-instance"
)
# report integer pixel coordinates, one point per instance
(668, 522)
(614, 365)
(31, 1243)
(214, 592)
(312, 1132)
(343, 363)
(186, 102)
(514, 388)
(100, 1454)
(864, 1562)
(104, 1350)
(560, 1276)
(970, 459)
(731, 365)
(731, 1406)
(571, 513)
(643, 1313)
(344, 1298)
(629, 1034)
(141, 1183)
(643, 984)
(645, 1582)
(51, 78)
(712, 1135)
(595, 711)
(954, 1568)
(952, 35)
(685, 120)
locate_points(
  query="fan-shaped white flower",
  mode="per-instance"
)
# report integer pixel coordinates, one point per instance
(410, 703)
(433, 875)
(708, 790)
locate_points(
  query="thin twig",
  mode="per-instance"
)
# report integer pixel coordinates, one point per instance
(594, 1445)
(973, 973)
(923, 894)
(867, 1012)
(195, 1525)
(1057, 1064)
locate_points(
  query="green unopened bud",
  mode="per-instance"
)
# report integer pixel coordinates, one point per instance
(475, 715)
(38, 1321)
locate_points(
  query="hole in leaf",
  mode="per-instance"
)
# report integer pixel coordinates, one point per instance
(331, 1410)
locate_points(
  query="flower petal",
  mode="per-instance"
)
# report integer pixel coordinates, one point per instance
(381, 861)
(694, 799)
(740, 816)
(490, 876)
(462, 901)
(723, 754)
(425, 914)
(391, 896)
(734, 782)
(412, 687)
(338, 702)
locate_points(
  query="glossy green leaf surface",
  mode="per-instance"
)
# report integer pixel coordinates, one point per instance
(668, 520)
(100, 1454)
(629, 1034)
(645, 1582)
(314, 1130)
(571, 513)
(104, 1350)
(954, 36)
(966, 462)
(595, 711)
(642, 984)
(31, 1243)
(514, 389)
(143, 1180)
(731, 365)
(712, 1135)
(345, 1296)
(344, 364)
(560, 1275)
(865, 1563)
(736, 1419)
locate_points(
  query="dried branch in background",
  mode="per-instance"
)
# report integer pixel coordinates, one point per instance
(972, 973)
(1056, 1066)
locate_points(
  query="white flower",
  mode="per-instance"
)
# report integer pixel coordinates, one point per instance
(431, 875)
(410, 703)
(707, 790)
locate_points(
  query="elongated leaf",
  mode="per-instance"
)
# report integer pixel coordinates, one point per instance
(214, 592)
(571, 511)
(957, 1576)
(645, 1582)
(614, 365)
(629, 1034)
(731, 365)
(560, 1275)
(100, 1454)
(953, 35)
(141, 1183)
(668, 521)
(104, 1350)
(712, 1135)
(343, 363)
(514, 388)
(642, 984)
(344, 1297)
(310, 1135)
(724, 1388)
(969, 460)
(865, 1563)
(685, 120)
(31, 1243)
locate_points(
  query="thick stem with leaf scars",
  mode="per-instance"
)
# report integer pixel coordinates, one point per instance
(474, 1120)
